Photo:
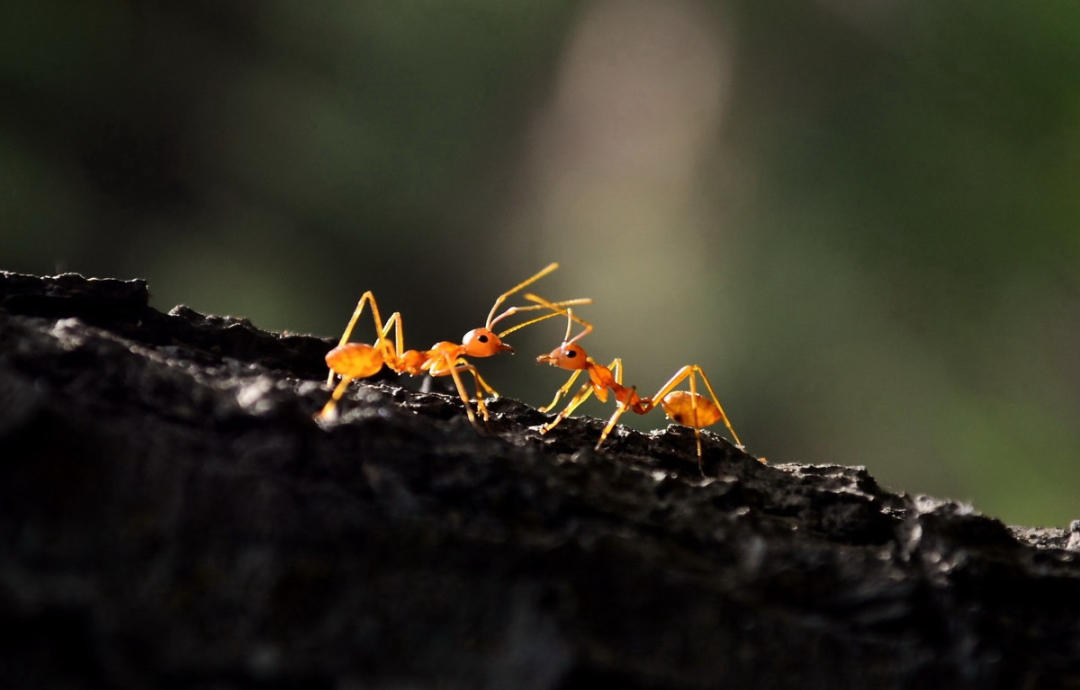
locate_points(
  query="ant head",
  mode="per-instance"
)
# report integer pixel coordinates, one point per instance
(567, 356)
(482, 342)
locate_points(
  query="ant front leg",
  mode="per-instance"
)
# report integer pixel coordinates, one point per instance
(454, 368)
(444, 361)
(454, 372)
(598, 384)
(481, 384)
(581, 396)
(562, 391)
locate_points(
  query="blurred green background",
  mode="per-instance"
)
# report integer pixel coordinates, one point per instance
(861, 218)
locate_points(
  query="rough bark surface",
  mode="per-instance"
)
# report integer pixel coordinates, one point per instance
(171, 516)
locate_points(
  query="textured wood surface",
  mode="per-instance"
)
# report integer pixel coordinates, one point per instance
(172, 517)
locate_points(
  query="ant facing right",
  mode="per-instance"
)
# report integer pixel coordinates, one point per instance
(353, 361)
(688, 408)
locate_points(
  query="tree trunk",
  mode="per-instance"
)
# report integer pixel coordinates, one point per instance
(172, 516)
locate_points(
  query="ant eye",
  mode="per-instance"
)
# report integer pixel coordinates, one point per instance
(482, 338)
(571, 353)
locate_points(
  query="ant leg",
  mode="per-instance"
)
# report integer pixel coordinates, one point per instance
(581, 396)
(328, 409)
(484, 384)
(694, 418)
(619, 410)
(700, 457)
(596, 385)
(480, 404)
(688, 372)
(395, 321)
(616, 369)
(481, 384)
(562, 391)
(454, 368)
(720, 407)
(465, 398)
(368, 296)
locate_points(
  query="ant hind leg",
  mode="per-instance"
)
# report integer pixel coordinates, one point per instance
(368, 296)
(329, 408)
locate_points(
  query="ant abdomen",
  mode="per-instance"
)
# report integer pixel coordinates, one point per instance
(683, 406)
(355, 360)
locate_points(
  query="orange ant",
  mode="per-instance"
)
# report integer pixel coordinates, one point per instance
(688, 408)
(359, 360)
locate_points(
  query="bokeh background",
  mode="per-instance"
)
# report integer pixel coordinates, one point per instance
(860, 217)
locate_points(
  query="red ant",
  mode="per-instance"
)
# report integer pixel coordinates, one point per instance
(360, 360)
(688, 408)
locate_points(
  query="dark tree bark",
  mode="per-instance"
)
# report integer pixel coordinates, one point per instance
(172, 516)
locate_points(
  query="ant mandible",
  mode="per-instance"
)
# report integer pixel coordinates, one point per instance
(688, 408)
(359, 360)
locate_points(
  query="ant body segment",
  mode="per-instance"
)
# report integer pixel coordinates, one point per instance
(359, 360)
(688, 408)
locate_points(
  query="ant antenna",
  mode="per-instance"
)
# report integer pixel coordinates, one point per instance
(555, 307)
(491, 320)
(571, 318)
